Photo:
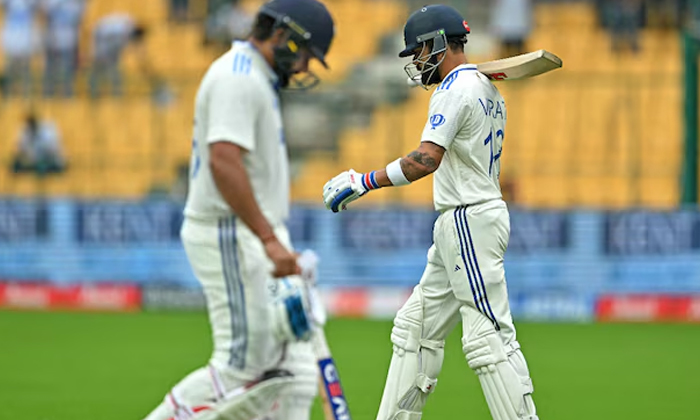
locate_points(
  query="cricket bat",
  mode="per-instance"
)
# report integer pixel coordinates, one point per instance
(335, 406)
(520, 66)
(517, 67)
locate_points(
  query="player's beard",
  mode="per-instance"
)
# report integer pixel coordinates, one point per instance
(284, 64)
(431, 76)
(284, 61)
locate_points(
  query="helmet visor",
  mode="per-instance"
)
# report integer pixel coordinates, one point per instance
(424, 67)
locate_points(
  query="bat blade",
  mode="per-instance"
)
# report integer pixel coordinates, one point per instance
(335, 406)
(520, 66)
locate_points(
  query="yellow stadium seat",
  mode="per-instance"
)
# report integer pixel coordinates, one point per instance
(604, 131)
(596, 133)
(307, 186)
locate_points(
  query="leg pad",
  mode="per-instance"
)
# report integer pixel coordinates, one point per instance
(414, 367)
(503, 375)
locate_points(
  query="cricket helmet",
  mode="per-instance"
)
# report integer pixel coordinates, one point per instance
(309, 25)
(431, 27)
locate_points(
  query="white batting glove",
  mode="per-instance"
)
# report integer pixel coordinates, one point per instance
(346, 188)
(308, 261)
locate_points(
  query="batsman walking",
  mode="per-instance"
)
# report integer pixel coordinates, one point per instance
(234, 231)
(464, 279)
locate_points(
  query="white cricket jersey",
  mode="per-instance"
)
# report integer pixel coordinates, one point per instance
(237, 102)
(467, 117)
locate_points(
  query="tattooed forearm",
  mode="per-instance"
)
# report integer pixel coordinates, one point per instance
(424, 159)
(417, 165)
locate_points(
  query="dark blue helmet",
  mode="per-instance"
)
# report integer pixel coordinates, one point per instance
(430, 22)
(428, 31)
(310, 22)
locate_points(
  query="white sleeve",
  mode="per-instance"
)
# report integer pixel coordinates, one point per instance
(446, 115)
(51, 137)
(233, 107)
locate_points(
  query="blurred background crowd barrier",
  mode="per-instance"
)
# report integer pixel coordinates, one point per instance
(599, 166)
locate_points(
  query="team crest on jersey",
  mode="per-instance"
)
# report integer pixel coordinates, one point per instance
(436, 120)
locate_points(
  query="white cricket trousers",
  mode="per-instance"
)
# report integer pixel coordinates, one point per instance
(465, 268)
(464, 280)
(230, 263)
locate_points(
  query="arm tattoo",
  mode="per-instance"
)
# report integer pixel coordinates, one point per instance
(423, 159)
(417, 165)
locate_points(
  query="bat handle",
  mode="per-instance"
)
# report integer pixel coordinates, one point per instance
(327, 411)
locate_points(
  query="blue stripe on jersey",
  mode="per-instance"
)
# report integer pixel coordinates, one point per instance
(242, 63)
(248, 64)
(447, 83)
(236, 57)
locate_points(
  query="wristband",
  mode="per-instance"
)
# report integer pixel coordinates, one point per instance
(369, 181)
(395, 173)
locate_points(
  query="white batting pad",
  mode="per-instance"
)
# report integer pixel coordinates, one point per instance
(247, 403)
(502, 370)
(414, 366)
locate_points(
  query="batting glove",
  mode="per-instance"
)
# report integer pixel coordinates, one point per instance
(290, 312)
(308, 261)
(346, 188)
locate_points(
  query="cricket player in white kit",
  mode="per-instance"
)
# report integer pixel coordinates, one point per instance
(234, 232)
(464, 278)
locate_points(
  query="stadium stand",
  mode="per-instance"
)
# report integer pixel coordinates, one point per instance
(572, 136)
(136, 142)
(571, 139)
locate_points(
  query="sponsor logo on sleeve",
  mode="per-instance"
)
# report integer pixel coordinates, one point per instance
(436, 120)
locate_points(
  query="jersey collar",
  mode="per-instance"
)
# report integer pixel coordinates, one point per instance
(452, 75)
(461, 67)
(260, 61)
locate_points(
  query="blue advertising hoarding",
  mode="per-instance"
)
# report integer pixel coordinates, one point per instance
(551, 253)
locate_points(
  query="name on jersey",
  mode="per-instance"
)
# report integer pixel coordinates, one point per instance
(496, 110)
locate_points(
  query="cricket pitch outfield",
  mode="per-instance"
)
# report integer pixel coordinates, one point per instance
(96, 366)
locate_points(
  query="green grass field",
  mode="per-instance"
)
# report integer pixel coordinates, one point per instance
(77, 366)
